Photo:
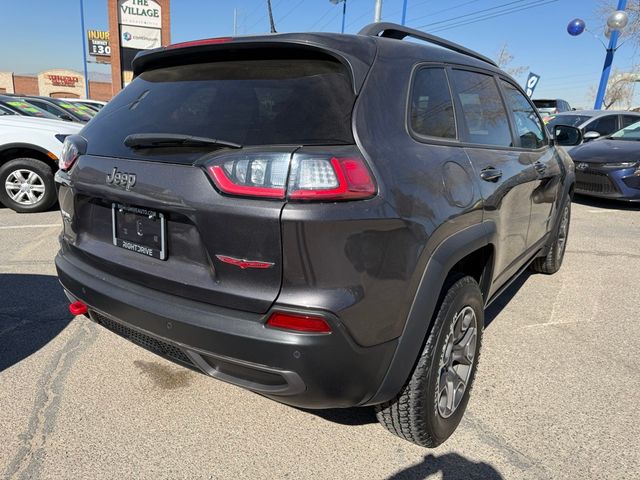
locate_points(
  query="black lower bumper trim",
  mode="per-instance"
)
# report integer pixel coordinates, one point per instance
(303, 370)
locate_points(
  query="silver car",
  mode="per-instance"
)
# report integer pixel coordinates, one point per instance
(593, 123)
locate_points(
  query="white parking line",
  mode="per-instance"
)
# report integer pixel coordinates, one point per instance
(45, 225)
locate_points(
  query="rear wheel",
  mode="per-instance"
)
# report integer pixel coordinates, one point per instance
(552, 262)
(432, 403)
(27, 185)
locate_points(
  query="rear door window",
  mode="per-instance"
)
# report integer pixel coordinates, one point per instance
(629, 119)
(431, 107)
(483, 114)
(250, 102)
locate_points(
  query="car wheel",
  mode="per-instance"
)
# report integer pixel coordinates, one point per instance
(552, 262)
(27, 185)
(432, 403)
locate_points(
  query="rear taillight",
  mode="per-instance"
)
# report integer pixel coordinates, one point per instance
(329, 178)
(298, 322)
(251, 174)
(72, 148)
(298, 177)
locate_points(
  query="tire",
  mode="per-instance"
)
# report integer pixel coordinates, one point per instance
(552, 262)
(420, 413)
(41, 192)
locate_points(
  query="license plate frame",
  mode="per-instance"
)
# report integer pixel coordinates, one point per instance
(143, 220)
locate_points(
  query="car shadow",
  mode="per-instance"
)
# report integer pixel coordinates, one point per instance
(450, 466)
(32, 312)
(503, 300)
(606, 203)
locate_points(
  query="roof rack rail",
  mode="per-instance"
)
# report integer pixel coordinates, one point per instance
(393, 30)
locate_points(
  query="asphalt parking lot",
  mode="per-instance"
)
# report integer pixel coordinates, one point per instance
(556, 395)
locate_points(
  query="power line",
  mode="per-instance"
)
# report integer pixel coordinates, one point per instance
(487, 17)
(442, 11)
(329, 10)
(289, 12)
(338, 12)
(497, 7)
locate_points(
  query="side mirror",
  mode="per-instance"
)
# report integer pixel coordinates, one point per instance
(66, 117)
(591, 136)
(567, 136)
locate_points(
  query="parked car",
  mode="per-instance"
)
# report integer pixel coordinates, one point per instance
(594, 123)
(29, 153)
(61, 108)
(20, 107)
(610, 167)
(93, 105)
(254, 209)
(551, 107)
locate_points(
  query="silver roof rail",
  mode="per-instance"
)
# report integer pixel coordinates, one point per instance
(394, 30)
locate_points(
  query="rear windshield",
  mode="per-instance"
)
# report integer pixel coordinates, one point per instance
(571, 120)
(545, 103)
(256, 102)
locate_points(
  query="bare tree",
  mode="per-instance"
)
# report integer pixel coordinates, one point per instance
(504, 60)
(273, 25)
(620, 89)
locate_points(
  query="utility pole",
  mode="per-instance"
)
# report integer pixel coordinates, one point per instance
(404, 12)
(235, 22)
(84, 51)
(273, 26)
(378, 11)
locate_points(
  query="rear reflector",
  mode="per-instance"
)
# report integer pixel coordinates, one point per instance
(78, 308)
(244, 263)
(298, 323)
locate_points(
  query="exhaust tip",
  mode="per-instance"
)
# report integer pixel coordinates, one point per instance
(78, 308)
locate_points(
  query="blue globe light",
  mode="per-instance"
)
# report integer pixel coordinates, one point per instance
(576, 27)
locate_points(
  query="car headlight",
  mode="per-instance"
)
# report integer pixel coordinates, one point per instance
(622, 164)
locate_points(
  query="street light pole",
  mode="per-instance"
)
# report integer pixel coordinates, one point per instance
(344, 10)
(84, 51)
(608, 60)
(378, 11)
(404, 11)
(344, 14)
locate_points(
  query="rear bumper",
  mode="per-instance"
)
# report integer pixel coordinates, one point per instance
(303, 370)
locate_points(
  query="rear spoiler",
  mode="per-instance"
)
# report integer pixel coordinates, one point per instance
(357, 56)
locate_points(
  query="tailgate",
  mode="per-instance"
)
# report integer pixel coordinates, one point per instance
(200, 223)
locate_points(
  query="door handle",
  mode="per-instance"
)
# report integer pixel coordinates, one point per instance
(490, 174)
(540, 167)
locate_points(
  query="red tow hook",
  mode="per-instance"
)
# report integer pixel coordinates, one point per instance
(78, 308)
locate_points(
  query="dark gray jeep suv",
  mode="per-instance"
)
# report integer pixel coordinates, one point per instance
(319, 218)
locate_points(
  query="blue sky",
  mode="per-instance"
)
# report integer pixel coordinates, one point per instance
(536, 37)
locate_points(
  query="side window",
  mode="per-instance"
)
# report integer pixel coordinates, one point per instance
(603, 125)
(431, 108)
(483, 114)
(526, 121)
(629, 119)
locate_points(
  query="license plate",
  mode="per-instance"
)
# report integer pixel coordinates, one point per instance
(139, 230)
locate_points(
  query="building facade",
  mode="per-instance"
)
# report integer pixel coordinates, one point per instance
(58, 83)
